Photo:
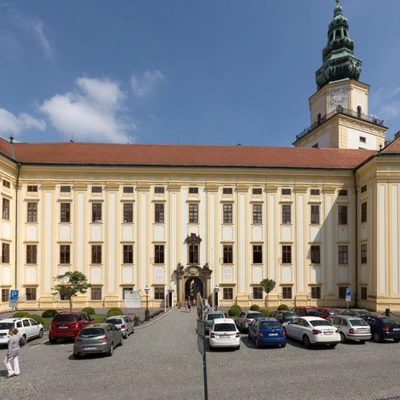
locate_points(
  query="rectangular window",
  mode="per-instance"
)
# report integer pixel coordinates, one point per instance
(5, 295)
(96, 212)
(228, 254)
(257, 293)
(364, 212)
(227, 213)
(316, 146)
(363, 188)
(159, 293)
(286, 192)
(227, 191)
(65, 189)
(343, 255)
(314, 192)
(363, 254)
(363, 139)
(65, 212)
(32, 212)
(128, 254)
(364, 293)
(343, 192)
(128, 212)
(159, 189)
(193, 190)
(96, 254)
(159, 256)
(193, 254)
(159, 213)
(286, 292)
(286, 254)
(193, 213)
(97, 189)
(65, 250)
(257, 254)
(286, 213)
(95, 293)
(314, 214)
(127, 189)
(32, 188)
(342, 292)
(257, 214)
(30, 293)
(5, 253)
(257, 191)
(315, 254)
(316, 292)
(342, 215)
(31, 254)
(6, 184)
(6, 209)
(228, 293)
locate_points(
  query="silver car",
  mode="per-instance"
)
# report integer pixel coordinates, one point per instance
(246, 318)
(209, 317)
(97, 338)
(351, 328)
(124, 323)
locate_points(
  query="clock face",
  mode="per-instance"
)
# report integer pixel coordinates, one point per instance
(338, 97)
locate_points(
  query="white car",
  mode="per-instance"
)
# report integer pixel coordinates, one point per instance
(28, 328)
(351, 328)
(224, 333)
(312, 331)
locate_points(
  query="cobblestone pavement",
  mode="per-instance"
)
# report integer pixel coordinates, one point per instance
(161, 360)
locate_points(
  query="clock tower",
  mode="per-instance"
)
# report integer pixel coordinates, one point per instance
(339, 108)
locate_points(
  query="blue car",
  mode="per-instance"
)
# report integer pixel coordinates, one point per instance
(267, 332)
(383, 328)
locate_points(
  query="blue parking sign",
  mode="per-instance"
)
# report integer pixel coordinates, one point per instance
(348, 294)
(14, 295)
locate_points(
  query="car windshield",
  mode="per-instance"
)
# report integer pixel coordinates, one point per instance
(270, 325)
(320, 323)
(6, 325)
(211, 317)
(363, 313)
(91, 332)
(358, 322)
(312, 311)
(290, 315)
(115, 321)
(334, 312)
(388, 321)
(254, 315)
(225, 327)
(64, 318)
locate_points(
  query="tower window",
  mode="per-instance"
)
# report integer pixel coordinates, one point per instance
(359, 111)
(363, 139)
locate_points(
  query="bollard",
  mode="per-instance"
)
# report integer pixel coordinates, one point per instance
(387, 312)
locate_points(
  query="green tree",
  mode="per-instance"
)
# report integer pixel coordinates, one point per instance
(268, 286)
(70, 284)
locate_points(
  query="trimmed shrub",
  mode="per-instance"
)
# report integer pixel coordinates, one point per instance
(255, 307)
(49, 313)
(114, 311)
(235, 310)
(265, 313)
(37, 318)
(283, 307)
(21, 314)
(89, 310)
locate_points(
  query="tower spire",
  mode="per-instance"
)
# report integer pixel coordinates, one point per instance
(338, 61)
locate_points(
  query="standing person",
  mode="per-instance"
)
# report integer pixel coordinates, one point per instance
(189, 304)
(12, 353)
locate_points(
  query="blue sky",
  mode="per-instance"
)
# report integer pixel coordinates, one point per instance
(217, 72)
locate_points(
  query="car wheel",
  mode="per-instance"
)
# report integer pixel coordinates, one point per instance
(362, 341)
(77, 356)
(111, 351)
(122, 341)
(52, 340)
(40, 334)
(306, 341)
(283, 345)
(396, 340)
(257, 344)
(377, 337)
(342, 337)
(238, 347)
(332, 346)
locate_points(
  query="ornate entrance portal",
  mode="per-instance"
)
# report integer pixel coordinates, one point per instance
(192, 287)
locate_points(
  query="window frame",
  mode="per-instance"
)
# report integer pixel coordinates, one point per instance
(227, 254)
(257, 254)
(65, 254)
(315, 214)
(159, 254)
(31, 254)
(257, 213)
(97, 212)
(227, 293)
(315, 254)
(127, 254)
(96, 293)
(227, 213)
(193, 213)
(286, 254)
(127, 213)
(343, 254)
(96, 254)
(342, 215)
(65, 212)
(159, 213)
(286, 213)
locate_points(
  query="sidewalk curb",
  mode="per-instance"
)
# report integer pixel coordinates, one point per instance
(142, 326)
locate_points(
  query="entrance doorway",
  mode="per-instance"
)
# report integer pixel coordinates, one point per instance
(192, 287)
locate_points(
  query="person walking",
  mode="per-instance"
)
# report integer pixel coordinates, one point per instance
(189, 305)
(12, 354)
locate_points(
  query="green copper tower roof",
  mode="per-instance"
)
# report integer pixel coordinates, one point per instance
(338, 60)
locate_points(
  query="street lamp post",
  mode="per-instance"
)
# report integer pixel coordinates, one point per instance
(147, 312)
(216, 290)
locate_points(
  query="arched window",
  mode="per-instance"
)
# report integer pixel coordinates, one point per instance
(319, 118)
(359, 111)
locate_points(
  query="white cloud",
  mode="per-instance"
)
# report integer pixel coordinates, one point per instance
(387, 103)
(11, 124)
(38, 27)
(142, 86)
(92, 111)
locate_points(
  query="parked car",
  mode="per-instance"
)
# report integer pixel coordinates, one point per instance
(304, 311)
(328, 312)
(383, 328)
(224, 333)
(28, 328)
(357, 312)
(209, 317)
(351, 328)
(312, 331)
(124, 323)
(284, 315)
(67, 325)
(97, 338)
(267, 332)
(245, 318)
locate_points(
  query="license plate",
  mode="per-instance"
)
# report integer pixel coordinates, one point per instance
(328, 333)
(273, 334)
(225, 337)
(63, 327)
(89, 348)
(362, 329)
(396, 329)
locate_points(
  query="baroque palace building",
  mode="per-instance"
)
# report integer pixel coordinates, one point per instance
(317, 217)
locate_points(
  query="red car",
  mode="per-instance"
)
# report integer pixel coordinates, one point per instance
(306, 311)
(328, 312)
(67, 325)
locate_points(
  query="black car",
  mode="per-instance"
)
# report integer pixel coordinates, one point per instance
(383, 328)
(284, 316)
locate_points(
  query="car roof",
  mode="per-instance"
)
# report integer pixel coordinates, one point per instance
(222, 320)
(345, 316)
(98, 325)
(116, 316)
(312, 318)
(10, 319)
(306, 307)
(267, 319)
